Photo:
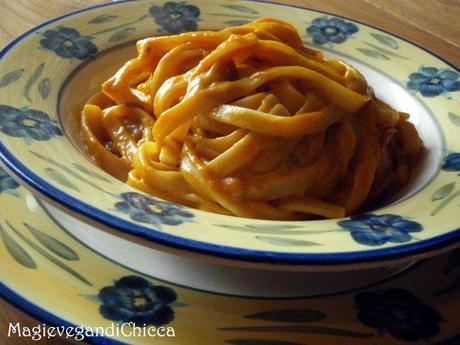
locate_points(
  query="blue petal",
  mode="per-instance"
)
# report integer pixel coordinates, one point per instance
(15, 131)
(336, 22)
(366, 298)
(50, 44)
(84, 48)
(143, 217)
(399, 237)
(171, 220)
(184, 214)
(452, 162)
(116, 313)
(65, 52)
(430, 72)
(171, 6)
(388, 219)
(52, 34)
(190, 11)
(350, 28)
(370, 219)
(164, 294)
(369, 238)
(133, 282)
(320, 22)
(137, 199)
(7, 183)
(37, 115)
(418, 78)
(112, 296)
(407, 226)
(68, 33)
(338, 38)
(354, 225)
(320, 39)
(163, 315)
(450, 85)
(156, 11)
(431, 90)
(448, 74)
(37, 133)
(188, 24)
(54, 131)
(8, 114)
(313, 30)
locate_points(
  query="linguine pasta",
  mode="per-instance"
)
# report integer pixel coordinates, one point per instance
(247, 121)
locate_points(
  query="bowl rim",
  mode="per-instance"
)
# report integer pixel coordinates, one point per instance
(73, 204)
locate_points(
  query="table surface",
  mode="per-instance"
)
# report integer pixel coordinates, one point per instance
(432, 24)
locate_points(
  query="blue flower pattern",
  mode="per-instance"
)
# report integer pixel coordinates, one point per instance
(399, 312)
(452, 162)
(375, 230)
(7, 183)
(68, 43)
(335, 30)
(134, 299)
(145, 209)
(27, 123)
(431, 81)
(175, 17)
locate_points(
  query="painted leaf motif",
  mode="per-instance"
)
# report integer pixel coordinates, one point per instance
(71, 172)
(288, 315)
(11, 77)
(270, 230)
(16, 251)
(103, 18)
(178, 304)
(454, 118)
(300, 329)
(60, 178)
(44, 87)
(385, 40)
(445, 202)
(33, 78)
(122, 34)
(453, 261)
(386, 51)
(53, 245)
(373, 54)
(51, 258)
(236, 22)
(92, 298)
(286, 242)
(240, 8)
(86, 171)
(259, 342)
(443, 191)
(13, 192)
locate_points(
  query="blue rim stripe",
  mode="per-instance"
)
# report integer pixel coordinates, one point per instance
(53, 193)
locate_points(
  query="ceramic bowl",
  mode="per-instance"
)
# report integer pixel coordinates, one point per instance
(47, 73)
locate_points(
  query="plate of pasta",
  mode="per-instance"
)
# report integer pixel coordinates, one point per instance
(244, 131)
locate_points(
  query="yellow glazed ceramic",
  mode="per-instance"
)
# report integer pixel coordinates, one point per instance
(47, 73)
(52, 275)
